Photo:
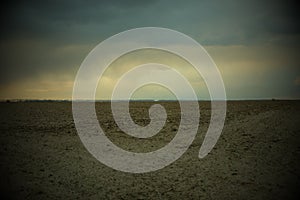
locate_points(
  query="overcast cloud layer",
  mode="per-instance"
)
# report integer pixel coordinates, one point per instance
(254, 43)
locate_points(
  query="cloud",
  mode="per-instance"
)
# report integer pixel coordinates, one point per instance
(50, 39)
(297, 81)
(232, 22)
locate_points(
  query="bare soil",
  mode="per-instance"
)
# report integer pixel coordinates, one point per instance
(256, 157)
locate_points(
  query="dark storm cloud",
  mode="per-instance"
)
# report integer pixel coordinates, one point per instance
(39, 37)
(35, 33)
(63, 20)
(214, 22)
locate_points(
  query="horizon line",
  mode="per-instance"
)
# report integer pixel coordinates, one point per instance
(145, 100)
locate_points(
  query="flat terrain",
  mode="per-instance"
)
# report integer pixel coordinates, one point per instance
(256, 157)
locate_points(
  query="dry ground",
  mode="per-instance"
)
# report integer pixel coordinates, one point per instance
(257, 156)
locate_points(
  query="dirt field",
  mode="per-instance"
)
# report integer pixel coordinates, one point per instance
(256, 157)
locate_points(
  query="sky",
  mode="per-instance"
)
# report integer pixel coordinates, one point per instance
(255, 44)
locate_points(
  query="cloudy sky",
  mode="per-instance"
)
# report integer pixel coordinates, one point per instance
(255, 44)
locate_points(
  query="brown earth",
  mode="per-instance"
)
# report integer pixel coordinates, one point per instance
(256, 157)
